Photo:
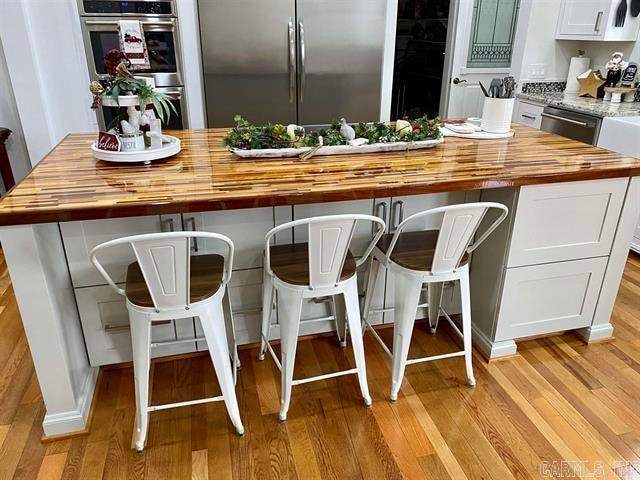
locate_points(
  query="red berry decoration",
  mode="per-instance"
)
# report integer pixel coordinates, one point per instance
(111, 61)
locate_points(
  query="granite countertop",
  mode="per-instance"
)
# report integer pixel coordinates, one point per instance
(587, 105)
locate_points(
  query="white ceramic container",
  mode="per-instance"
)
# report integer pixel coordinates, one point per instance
(497, 114)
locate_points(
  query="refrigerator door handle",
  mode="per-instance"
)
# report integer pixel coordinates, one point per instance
(302, 59)
(292, 61)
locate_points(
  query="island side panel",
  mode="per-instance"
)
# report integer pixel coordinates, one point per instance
(601, 327)
(44, 292)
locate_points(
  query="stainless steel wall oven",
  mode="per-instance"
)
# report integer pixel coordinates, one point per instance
(99, 21)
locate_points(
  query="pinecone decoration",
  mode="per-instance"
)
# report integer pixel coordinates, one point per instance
(96, 88)
(111, 61)
(122, 71)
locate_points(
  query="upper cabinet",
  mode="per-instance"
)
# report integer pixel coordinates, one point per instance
(595, 20)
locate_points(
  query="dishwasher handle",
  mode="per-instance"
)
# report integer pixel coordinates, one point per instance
(563, 119)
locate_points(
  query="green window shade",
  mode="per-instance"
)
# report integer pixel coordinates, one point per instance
(493, 30)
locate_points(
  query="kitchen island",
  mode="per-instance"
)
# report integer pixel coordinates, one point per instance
(554, 265)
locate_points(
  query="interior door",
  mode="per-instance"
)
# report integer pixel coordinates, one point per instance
(340, 47)
(248, 60)
(485, 46)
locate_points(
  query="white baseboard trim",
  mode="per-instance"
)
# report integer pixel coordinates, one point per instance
(490, 349)
(596, 332)
(65, 423)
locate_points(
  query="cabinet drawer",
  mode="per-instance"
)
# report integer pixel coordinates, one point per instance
(246, 228)
(565, 221)
(549, 298)
(105, 325)
(80, 238)
(529, 114)
(245, 290)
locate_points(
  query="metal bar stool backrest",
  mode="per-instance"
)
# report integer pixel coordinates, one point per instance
(329, 239)
(165, 262)
(457, 230)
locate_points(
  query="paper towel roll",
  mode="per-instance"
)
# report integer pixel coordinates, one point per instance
(577, 66)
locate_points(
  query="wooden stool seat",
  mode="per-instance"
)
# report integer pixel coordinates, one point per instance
(415, 250)
(206, 278)
(290, 263)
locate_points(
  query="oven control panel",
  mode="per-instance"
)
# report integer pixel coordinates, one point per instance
(135, 7)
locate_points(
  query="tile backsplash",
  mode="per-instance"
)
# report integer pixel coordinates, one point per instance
(543, 87)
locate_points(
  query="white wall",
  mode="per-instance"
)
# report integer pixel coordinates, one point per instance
(47, 68)
(543, 49)
(16, 147)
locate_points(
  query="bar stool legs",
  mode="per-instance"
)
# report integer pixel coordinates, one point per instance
(467, 333)
(435, 302)
(407, 298)
(212, 321)
(289, 315)
(141, 346)
(355, 326)
(268, 295)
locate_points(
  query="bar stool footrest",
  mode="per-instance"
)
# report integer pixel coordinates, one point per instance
(166, 406)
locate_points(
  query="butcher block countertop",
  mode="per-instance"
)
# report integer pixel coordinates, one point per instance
(69, 184)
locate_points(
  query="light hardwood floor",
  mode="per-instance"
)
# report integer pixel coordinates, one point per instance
(559, 409)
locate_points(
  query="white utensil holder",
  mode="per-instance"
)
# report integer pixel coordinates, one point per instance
(497, 114)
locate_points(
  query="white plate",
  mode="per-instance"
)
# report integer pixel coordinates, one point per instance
(145, 156)
(478, 135)
(336, 149)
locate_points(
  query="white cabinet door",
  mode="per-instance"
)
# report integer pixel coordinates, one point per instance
(549, 298)
(402, 208)
(584, 18)
(246, 228)
(566, 221)
(105, 325)
(528, 114)
(80, 238)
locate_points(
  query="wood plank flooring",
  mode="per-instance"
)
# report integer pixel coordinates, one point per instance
(559, 409)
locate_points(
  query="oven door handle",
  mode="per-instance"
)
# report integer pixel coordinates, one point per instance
(563, 119)
(175, 94)
(143, 22)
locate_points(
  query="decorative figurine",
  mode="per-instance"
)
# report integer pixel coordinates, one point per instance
(591, 84)
(346, 131)
(615, 67)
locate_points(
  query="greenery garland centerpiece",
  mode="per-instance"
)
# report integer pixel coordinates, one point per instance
(246, 136)
(121, 82)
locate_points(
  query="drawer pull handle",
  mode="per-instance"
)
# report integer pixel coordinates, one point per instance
(192, 221)
(169, 223)
(115, 328)
(530, 117)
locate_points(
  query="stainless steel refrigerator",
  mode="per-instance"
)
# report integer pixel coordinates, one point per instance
(292, 61)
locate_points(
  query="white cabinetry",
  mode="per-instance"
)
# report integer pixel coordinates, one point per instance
(80, 238)
(594, 20)
(549, 298)
(566, 221)
(105, 325)
(543, 269)
(528, 113)
(635, 243)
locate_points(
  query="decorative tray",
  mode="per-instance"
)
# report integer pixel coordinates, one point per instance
(146, 156)
(336, 149)
(477, 135)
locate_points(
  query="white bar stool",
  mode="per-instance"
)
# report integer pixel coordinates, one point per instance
(322, 267)
(167, 283)
(432, 257)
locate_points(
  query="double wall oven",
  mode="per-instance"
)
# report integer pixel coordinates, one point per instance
(99, 20)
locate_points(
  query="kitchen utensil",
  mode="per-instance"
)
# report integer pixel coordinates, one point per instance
(312, 152)
(635, 8)
(484, 90)
(621, 13)
(509, 87)
(494, 88)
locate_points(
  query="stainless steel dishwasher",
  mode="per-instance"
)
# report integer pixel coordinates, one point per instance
(567, 123)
